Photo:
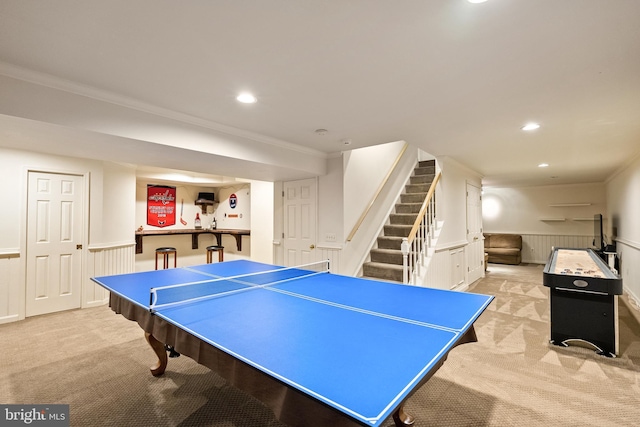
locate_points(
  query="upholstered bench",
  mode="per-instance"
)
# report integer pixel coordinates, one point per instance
(503, 248)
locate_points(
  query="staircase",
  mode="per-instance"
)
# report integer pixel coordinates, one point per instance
(386, 259)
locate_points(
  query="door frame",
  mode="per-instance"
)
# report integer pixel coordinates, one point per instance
(24, 215)
(281, 250)
(480, 240)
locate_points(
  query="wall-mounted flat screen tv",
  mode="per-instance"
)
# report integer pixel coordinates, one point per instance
(598, 237)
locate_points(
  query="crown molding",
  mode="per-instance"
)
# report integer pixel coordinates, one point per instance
(627, 164)
(50, 81)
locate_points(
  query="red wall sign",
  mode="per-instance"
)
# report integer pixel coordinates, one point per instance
(161, 205)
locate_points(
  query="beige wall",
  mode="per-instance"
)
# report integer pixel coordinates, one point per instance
(546, 216)
(262, 221)
(451, 204)
(361, 174)
(254, 210)
(110, 219)
(540, 210)
(528, 211)
(115, 209)
(623, 203)
(364, 170)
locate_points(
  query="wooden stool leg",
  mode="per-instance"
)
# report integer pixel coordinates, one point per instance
(175, 260)
(220, 255)
(156, 260)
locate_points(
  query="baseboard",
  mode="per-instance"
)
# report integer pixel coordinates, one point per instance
(97, 303)
(9, 319)
(632, 304)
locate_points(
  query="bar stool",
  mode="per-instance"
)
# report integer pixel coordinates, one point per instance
(165, 252)
(211, 250)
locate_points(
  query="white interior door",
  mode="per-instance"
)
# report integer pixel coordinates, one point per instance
(299, 222)
(54, 242)
(475, 252)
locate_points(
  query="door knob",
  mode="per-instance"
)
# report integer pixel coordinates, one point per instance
(312, 247)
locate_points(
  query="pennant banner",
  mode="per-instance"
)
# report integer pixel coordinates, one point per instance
(161, 205)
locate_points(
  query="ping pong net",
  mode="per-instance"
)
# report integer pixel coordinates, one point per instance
(216, 287)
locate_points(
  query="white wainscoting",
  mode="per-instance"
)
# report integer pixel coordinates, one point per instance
(105, 261)
(10, 285)
(536, 248)
(439, 271)
(447, 269)
(629, 253)
(332, 254)
(101, 261)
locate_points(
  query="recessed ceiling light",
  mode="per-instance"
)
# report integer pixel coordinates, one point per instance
(476, 1)
(543, 165)
(530, 126)
(246, 98)
(321, 132)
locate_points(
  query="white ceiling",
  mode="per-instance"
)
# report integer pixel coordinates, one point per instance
(453, 78)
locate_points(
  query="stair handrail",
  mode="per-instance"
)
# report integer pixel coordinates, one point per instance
(417, 249)
(423, 209)
(377, 194)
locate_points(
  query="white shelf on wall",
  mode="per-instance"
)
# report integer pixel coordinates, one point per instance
(582, 219)
(569, 205)
(552, 219)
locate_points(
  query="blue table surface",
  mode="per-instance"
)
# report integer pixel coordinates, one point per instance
(358, 345)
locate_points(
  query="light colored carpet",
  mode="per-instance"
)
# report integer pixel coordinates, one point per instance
(97, 362)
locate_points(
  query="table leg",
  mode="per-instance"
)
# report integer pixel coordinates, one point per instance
(402, 419)
(158, 349)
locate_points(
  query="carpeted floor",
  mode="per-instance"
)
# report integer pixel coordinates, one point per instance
(97, 362)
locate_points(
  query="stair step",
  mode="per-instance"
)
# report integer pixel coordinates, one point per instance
(416, 188)
(404, 208)
(390, 242)
(421, 179)
(382, 271)
(387, 256)
(429, 170)
(403, 218)
(398, 230)
(413, 197)
(386, 259)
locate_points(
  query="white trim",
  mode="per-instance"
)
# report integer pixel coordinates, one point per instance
(8, 252)
(9, 319)
(453, 245)
(629, 243)
(625, 165)
(99, 247)
(86, 200)
(98, 303)
(332, 247)
(50, 81)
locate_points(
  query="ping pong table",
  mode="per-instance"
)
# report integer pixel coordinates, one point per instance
(318, 348)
